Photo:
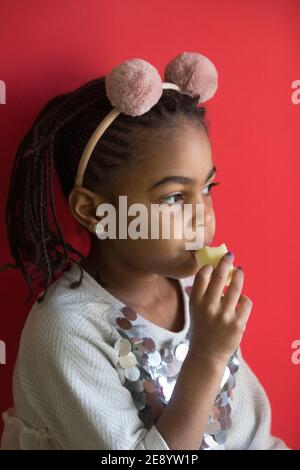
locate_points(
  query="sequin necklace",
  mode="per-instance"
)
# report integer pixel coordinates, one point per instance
(150, 375)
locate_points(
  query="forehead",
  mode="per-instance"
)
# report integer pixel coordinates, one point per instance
(183, 150)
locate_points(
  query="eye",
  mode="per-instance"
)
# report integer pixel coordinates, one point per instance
(175, 195)
(209, 186)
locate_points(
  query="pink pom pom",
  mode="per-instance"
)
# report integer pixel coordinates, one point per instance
(194, 74)
(133, 87)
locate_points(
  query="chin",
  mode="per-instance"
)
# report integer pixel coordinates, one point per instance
(189, 267)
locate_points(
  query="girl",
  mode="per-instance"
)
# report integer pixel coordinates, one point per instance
(133, 347)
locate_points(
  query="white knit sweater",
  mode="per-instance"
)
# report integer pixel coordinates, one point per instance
(69, 391)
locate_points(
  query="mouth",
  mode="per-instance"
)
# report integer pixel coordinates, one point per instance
(193, 252)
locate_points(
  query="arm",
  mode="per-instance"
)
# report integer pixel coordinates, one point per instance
(68, 379)
(183, 422)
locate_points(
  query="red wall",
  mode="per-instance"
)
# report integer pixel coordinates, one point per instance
(50, 47)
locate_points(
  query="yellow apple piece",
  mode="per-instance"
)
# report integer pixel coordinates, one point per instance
(212, 255)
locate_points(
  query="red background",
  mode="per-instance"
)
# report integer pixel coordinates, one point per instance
(51, 47)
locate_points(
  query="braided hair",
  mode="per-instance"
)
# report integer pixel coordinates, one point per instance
(57, 139)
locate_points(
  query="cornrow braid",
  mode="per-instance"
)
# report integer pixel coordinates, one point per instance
(56, 140)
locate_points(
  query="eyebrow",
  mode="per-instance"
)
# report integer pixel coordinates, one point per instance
(181, 179)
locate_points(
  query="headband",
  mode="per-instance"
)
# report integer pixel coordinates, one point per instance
(135, 86)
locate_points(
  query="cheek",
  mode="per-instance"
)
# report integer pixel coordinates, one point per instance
(156, 252)
(214, 225)
(211, 225)
(166, 225)
(209, 213)
(150, 255)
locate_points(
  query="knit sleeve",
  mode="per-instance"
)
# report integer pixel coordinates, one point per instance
(251, 414)
(68, 375)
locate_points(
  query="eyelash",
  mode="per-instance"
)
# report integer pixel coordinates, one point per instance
(182, 194)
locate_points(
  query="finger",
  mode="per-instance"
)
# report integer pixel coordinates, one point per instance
(233, 292)
(244, 308)
(214, 291)
(201, 281)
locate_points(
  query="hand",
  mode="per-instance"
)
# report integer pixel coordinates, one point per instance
(217, 322)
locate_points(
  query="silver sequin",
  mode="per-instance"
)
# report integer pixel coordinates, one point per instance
(181, 351)
(128, 361)
(225, 377)
(132, 374)
(210, 441)
(154, 359)
(129, 313)
(122, 346)
(150, 372)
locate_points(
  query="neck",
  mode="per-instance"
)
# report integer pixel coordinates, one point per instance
(137, 288)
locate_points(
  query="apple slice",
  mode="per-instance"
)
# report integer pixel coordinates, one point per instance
(212, 255)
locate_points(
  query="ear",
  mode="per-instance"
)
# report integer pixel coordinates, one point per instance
(83, 204)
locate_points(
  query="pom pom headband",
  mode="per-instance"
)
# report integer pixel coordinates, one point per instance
(135, 86)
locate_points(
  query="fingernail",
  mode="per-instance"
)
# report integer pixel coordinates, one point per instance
(229, 254)
(240, 268)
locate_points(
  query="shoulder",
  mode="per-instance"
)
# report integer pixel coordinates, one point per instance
(68, 320)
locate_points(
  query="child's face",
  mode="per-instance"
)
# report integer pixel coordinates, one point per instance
(185, 152)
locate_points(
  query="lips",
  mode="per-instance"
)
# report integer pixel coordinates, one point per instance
(193, 252)
(204, 244)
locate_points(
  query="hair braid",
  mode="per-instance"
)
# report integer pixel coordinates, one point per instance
(57, 139)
